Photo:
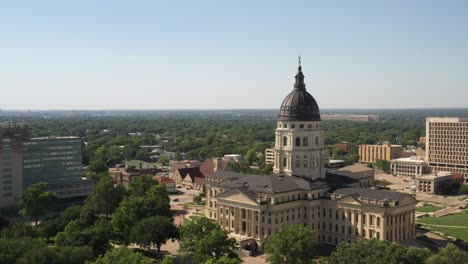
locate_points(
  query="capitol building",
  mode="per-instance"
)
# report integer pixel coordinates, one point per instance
(253, 207)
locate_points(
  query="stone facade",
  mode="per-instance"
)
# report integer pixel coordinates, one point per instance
(253, 207)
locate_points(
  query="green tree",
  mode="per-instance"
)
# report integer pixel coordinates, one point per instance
(36, 201)
(20, 230)
(74, 255)
(42, 255)
(134, 209)
(215, 245)
(105, 197)
(223, 260)
(11, 249)
(203, 240)
(77, 233)
(375, 251)
(383, 165)
(463, 189)
(197, 199)
(164, 160)
(155, 230)
(291, 244)
(167, 260)
(336, 153)
(449, 255)
(141, 184)
(123, 255)
(191, 232)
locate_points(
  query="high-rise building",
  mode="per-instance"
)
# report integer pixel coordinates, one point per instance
(447, 144)
(12, 136)
(56, 161)
(253, 207)
(372, 153)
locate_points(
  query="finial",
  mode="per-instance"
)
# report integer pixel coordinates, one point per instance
(299, 57)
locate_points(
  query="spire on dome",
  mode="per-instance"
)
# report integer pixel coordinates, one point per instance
(299, 84)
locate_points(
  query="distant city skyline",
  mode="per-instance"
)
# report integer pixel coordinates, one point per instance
(142, 55)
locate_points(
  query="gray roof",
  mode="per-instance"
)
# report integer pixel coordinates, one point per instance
(368, 193)
(270, 184)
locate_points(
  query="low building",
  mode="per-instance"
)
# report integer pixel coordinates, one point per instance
(356, 118)
(432, 183)
(233, 157)
(253, 207)
(211, 165)
(167, 182)
(189, 178)
(344, 146)
(357, 172)
(122, 174)
(334, 164)
(372, 153)
(413, 166)
(269, 156)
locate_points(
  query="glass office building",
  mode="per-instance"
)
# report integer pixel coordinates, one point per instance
(56, 161)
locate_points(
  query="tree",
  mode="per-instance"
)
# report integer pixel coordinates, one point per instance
(140, 185)
(155, 230)
(36, 201)
(78, 233)
(197, 199)
(202, 239)
(215, 245)
(291, 244)
(11, 249)
(167, 260)
(375, 251)
(383, 165)
(191, 232)
(164, 160)
(105, 197)
(134, 209)
(449, 255)
(223, 260)
(463, 189)
(42, 255)
(75, 255)
(123, 255)
(336, 153)
(20, 230)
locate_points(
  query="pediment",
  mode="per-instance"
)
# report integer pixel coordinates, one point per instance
(349, 200)
(237, 196)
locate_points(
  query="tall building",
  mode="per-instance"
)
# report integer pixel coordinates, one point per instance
(56, 161)
(253, 207)
(372, 153)
(299, 149)
(447, 144)
(12, 136)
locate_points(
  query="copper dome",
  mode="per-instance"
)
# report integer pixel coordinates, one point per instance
(299, 105)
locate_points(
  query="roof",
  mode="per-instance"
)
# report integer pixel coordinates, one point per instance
(356, 168)
(208, 167)
(299, 105)
(162, 180)
(374, 197)
(412, 159)
(193, 172)
(270, 184)
(138, 164)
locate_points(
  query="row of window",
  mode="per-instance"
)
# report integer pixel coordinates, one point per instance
(294, 125)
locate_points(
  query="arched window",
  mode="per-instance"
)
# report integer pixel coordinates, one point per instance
(305, 142)
(298, 141)
(285, 141)
(285, 163)
(378, 221)
(316, 141)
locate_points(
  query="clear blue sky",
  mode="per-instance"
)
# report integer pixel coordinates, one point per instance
(100, 54)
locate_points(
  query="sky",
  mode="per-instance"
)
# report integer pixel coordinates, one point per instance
(102, 54)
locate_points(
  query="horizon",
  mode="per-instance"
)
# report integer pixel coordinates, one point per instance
(208, 55)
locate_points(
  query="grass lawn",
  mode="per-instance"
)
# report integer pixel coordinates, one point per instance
(429, 208)
(460, 219)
